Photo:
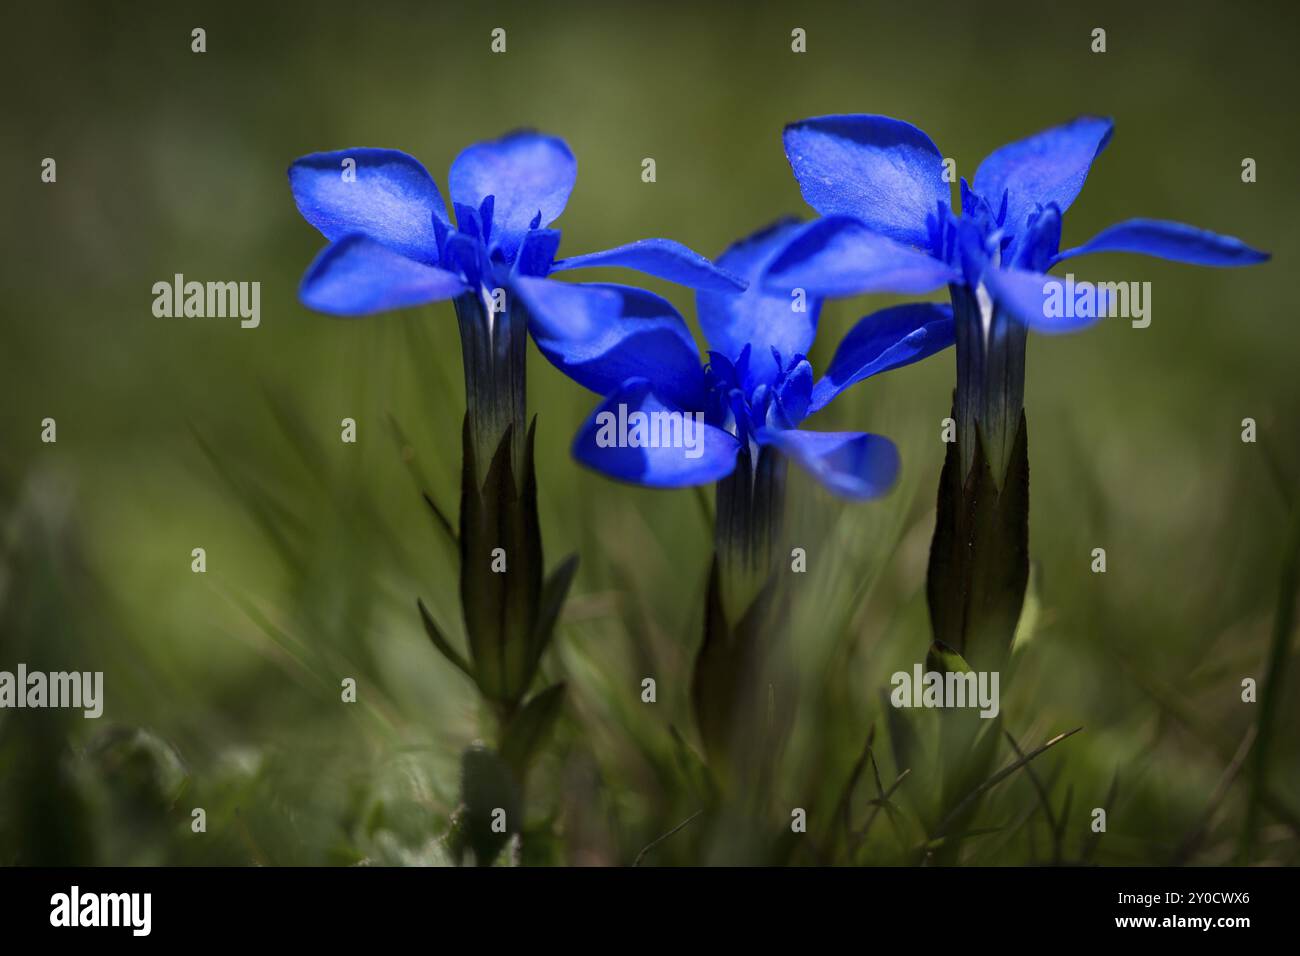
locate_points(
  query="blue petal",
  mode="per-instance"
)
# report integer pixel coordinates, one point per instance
(1169, 240)
(884, 340)
(393, 199)
(526, 173)
(1049, 167)
(663, 258)
(468, 222)
(468, 257)
(882, 171)
(972, 250)
(852, 464)
(537, 252)
(1030, 297)
(838, 255)
(1036, 249)
(757, 318)
(701, 455)
(359, 276)
(793, 394)
(602, 335)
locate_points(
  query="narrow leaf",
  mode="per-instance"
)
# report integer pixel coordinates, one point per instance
(554, 593)
(440, 640)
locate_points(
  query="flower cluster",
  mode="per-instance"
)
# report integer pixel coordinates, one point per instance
(735, 415)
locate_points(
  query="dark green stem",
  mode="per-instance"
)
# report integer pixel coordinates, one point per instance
(510, 607)
(979, 556)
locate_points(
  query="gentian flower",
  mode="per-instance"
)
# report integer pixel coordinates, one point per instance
(752, 392)
(888, 226)
(393, 246)
(739, 413)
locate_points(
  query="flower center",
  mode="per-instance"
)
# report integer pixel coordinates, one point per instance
(741, 406)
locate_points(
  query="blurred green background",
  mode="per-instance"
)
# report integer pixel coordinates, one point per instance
(223, 688)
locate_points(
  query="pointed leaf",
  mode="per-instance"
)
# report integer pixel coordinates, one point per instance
(554, 592)
(440, 640)
(444, 523)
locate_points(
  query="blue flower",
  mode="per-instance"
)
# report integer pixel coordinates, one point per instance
(393, 245)
(888, 225)
(756, 388)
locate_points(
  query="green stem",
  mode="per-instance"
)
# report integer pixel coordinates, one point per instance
(740, 713)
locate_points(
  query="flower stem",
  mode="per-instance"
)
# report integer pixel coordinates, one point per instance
(740, 684)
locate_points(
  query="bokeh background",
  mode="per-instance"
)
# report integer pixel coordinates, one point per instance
(223, 688)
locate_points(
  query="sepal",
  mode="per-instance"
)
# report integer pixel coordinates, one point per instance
(979, 556)
(501, 569)
(741, 708)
